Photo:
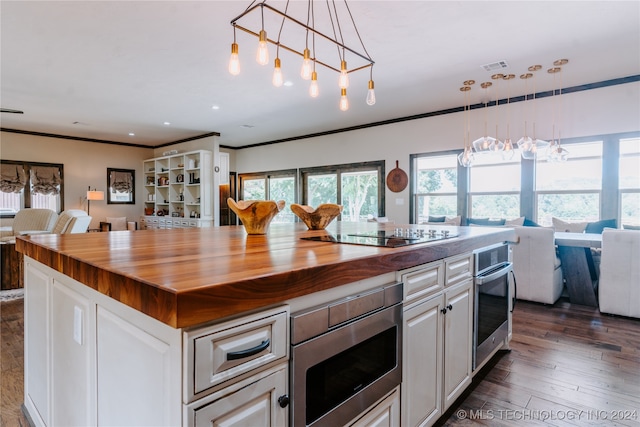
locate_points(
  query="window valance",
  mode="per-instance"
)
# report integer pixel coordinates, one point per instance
(45, 180)
(12, 178)
(121, 182)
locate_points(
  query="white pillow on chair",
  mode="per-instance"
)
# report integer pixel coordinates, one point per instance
(117, 223)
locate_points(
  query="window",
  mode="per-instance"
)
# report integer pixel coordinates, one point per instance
(570, 190)
(436, 183)
(629, 181)
(494, 187)
(31, 185)
(357, 187)
(276, 185)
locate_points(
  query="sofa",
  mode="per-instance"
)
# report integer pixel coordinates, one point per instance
(619, 284)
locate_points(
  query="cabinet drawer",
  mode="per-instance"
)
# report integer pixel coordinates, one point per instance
(221, 352)
(251, 402)
(422, 281)
(458, 268)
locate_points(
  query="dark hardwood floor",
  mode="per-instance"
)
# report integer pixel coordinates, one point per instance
(568, 365)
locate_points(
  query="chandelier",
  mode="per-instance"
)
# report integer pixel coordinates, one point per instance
(302, 37)
(530, 147)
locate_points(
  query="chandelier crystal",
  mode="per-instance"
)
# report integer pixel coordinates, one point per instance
(466, 158)
(271, 17)
(556, 153)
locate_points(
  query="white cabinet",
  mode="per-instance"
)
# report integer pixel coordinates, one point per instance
(251, 402)
(179, 186)
(90, 360)
(422, 362)
(222, 352)
(437, 338)
(457, 341)
(385, 413)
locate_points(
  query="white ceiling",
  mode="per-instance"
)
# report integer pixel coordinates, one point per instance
(102, 69)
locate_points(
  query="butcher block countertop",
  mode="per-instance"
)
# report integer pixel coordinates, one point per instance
(186, 277)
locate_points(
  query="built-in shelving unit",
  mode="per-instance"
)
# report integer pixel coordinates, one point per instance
(178, 191)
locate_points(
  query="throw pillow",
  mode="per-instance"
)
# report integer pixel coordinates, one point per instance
(437, 218)
(529, 223)
(485, 221)
(571, 227)
(514, 222)
(598, 226)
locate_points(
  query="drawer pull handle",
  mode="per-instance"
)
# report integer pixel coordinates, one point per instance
(235, 355)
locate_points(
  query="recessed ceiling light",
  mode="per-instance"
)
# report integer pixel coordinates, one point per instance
(288, 83)
(132, 134)
(215, 107)
(167, 123)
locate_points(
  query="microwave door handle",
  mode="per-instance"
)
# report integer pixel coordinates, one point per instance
(481, 280)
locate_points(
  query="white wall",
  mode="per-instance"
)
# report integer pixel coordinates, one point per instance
(593, 112)
(85, 164)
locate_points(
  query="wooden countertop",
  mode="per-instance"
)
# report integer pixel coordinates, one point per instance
(186, 277)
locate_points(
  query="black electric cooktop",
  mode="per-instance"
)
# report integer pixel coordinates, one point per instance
(390, 239)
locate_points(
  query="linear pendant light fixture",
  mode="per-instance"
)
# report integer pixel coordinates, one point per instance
(324, 56)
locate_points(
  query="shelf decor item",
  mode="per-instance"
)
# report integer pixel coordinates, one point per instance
(318, 218)
(256, 215)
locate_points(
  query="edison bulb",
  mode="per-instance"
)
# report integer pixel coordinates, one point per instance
(305, 71)
(344, 102)
(314, 91)
(371, 95)
(262, 55)
(343, 80)
(234, 60)
(277, 74)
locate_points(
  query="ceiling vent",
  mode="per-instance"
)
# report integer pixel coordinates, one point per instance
(495, 66)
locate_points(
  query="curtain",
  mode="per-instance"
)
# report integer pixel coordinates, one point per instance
(12, 178)
(45, 180)
(121, 182)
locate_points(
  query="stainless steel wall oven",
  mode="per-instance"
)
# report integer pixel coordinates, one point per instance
(492, 266)
(345, 356)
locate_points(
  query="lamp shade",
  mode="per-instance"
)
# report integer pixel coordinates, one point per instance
(95, 195)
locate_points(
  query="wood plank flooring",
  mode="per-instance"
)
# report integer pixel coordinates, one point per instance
(568, 366)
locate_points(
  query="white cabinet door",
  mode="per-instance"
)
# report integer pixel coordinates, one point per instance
(253, 405)
(385, 413)
(137, 380)
(422, 363)
(458, 340)
(72, 348)
(36, 338)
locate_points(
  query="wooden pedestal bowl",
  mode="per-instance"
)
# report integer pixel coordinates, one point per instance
(318, 218)
(256, 215)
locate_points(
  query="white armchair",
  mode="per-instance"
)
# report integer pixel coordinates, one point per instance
(72, 221)
(619, 285)
(30, 220)
(536, 265)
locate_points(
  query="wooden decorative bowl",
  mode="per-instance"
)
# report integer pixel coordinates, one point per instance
(319, 218)
(256, 215)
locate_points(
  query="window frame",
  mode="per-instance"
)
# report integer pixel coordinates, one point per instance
(25, 198)
(378, 165)
(610, 193)
(413, 185)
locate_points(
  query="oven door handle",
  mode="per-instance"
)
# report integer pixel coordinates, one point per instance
(235, 355)
(502, 271)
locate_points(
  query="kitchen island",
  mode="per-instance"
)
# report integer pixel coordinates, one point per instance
(113, 319)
